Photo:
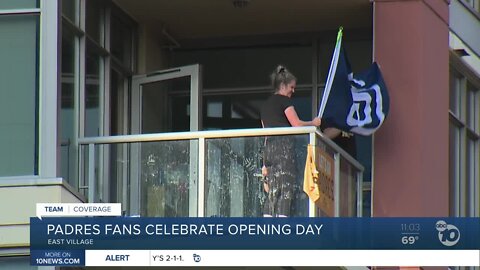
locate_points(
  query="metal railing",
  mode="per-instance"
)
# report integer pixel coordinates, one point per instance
(206, 172)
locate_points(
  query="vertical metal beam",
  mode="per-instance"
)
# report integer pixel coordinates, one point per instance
(77, 150)
(472, 178)
(197, 157)
(81, 56)
(458, 174)
(79, 125)
(126, 154)
(135, 191)
(104, 93)
(103, 151)
(336, 185)
(48, 88)
(195, 98)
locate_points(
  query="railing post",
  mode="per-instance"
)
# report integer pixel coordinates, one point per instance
(359, 194)
(91, 173)
(135, 188)
(201, 177)
(336, 185)
(311, 205)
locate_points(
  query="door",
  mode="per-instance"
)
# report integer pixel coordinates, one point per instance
(164, 174)
(155, 97)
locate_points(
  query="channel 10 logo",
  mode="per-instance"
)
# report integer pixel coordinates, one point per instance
(448, 234)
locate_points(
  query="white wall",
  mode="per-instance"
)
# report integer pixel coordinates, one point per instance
(19, 204)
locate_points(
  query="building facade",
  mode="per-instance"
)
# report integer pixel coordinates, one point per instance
(92, 70)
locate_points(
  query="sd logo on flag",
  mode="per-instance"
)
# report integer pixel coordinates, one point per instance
(357, 103)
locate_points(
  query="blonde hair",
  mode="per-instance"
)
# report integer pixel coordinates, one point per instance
(281, 75)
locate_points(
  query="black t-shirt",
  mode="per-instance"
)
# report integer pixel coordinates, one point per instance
(273, 111)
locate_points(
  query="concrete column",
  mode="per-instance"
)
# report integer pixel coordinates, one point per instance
(411, 148)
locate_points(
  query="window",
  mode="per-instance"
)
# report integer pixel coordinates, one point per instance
(464, 141)
(94, 75)
(69, 89)
(18, 4)
(19, 51)
(93, 86)
(474, 4)
(69, 82)
(121, 35)
(69, 10)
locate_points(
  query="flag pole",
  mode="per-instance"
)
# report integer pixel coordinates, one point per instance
(331, 72)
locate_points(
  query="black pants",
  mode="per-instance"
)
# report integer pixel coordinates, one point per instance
(280, 163)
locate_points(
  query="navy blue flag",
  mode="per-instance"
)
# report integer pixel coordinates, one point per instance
(356, 103)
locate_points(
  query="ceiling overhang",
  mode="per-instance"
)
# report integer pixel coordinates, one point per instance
(220, 19)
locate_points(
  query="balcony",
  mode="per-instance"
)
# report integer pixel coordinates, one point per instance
(210, 173)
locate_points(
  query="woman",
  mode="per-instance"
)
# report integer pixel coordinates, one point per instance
(279, 154)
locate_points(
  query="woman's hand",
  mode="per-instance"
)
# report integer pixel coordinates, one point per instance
(316, 121)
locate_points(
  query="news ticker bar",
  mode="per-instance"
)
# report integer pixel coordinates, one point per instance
(256, 258)
(138, 233)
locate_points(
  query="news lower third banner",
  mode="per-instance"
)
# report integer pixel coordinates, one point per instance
(141, 241)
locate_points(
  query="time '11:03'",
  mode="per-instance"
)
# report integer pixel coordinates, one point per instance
(410, 227)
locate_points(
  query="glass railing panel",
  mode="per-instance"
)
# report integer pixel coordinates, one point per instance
(117, 177)
(233, 186)
(324, 155)
(232, 183)
(348, 189)
(165, 179)
(89, 172)
(152, 179)
(211, 174)
(300, 203)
